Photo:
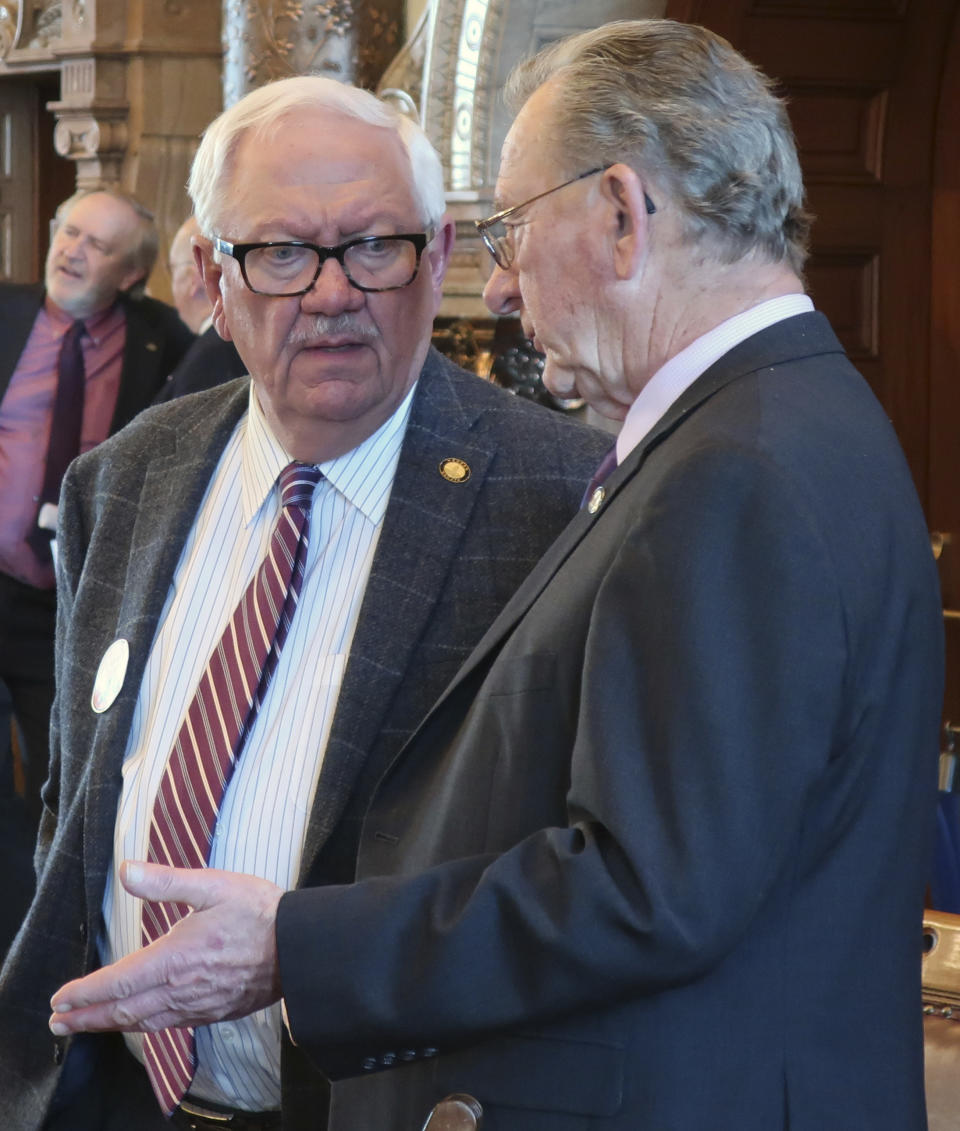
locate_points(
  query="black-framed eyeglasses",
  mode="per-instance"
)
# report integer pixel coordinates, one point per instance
(498, 238)
(284, 268)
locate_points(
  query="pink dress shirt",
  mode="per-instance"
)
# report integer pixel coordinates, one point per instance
(25, 414)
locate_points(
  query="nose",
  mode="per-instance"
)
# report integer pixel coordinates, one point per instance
(332, 292)
(502, 291)
(71, 243)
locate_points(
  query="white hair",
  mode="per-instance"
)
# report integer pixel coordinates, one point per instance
(262, 109)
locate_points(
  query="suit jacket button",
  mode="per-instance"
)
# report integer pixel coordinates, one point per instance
(430, 1052)
(83, 930)
(388, 1059)
(408, 1054)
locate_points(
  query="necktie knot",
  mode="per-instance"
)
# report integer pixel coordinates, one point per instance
(297, 481)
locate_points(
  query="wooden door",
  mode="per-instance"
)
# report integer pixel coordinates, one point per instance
(18, 186)
(874, 96)
(34, 178)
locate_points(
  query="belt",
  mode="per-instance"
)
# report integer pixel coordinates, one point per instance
(210, 1117)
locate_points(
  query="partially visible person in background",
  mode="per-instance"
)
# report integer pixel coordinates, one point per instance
(210, 360)
(80, 356)
(186, 282)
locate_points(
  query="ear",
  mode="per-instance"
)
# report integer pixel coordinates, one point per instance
(212, 273)
(437, 254)
(628, 222)
(130, 279)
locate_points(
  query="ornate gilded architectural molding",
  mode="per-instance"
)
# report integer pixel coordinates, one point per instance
(10, 18)
(458, 91)
(349, 40)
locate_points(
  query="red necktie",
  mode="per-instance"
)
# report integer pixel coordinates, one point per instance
(65, 423)
(211, 738)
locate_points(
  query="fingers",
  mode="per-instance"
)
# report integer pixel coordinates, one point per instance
(121, 996)
(218, 962)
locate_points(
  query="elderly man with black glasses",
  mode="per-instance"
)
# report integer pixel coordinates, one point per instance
(264, 587)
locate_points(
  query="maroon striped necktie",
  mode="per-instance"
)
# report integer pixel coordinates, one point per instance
(211, 738)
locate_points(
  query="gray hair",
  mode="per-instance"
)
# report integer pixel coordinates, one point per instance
(262, 109)
(677, 103)
(143, 254)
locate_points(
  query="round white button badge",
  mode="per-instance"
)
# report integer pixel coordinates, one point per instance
(110, 673)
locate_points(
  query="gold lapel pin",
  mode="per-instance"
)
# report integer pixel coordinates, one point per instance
(596, 500)
(454, 470)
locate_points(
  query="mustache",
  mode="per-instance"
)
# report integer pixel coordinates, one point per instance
(317, 326)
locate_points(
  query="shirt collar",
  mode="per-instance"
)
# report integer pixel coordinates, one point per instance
(96, 325)
(680, 372)
(358, 474)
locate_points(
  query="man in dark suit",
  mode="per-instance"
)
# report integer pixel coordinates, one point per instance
(102, 250)
(210, 360)
(439, 493)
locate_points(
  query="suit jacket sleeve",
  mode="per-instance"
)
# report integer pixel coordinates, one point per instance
(699, 714)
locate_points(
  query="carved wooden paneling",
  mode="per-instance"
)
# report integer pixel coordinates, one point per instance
(875, 98)
(833, 9)
(846, 284)
(839, 131)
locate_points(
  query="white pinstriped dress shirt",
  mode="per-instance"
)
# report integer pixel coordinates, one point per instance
(264, 816)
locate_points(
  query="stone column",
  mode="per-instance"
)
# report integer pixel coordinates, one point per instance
(349, 40)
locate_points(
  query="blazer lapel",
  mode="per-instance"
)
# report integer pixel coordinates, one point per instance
(412, 560)
(142, 355)
(19, 305)
(804, 335)
(165, 500)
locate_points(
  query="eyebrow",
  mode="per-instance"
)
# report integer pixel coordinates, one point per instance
(100, 245)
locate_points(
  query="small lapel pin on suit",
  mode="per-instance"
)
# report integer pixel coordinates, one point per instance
(110, 673)
(454, 470)
(152, 346)
(595, 502)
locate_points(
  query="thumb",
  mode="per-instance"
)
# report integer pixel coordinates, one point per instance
(160, 883)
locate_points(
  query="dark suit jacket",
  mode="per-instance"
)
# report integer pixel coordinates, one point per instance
(449, 556)
(156, 340)
(210, 361)
(656, 859)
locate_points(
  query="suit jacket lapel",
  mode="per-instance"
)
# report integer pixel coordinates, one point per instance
(412, 560)
(18, 311)
(142, 355)
(165, 500)
(804, 335)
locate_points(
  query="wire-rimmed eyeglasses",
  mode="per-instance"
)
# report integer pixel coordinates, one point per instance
(498, 238)
(285, 268)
